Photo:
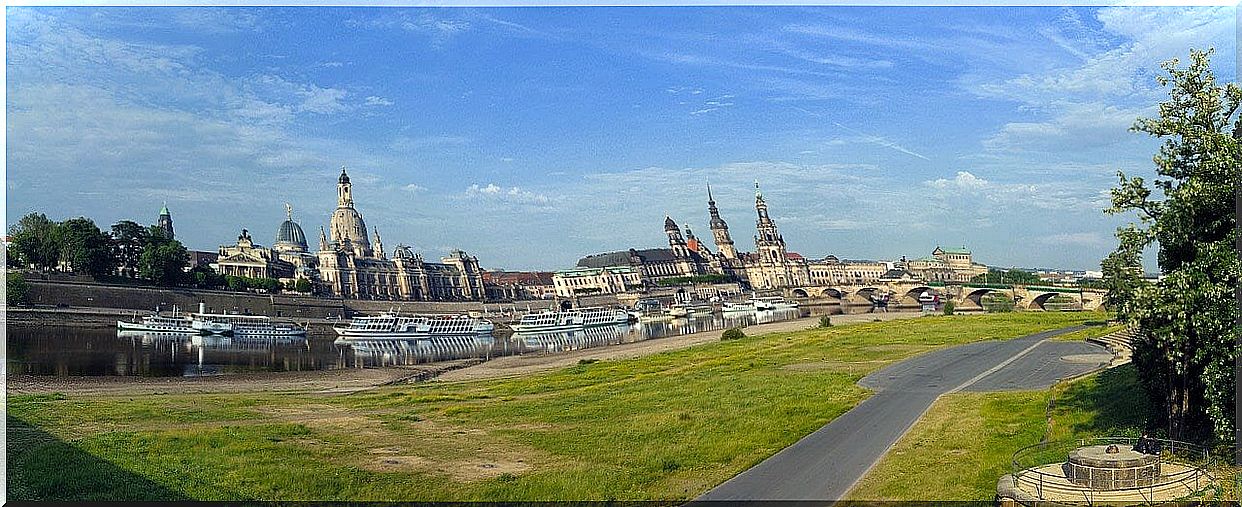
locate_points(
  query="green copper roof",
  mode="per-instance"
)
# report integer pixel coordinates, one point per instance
(961, 250)
(164, 210)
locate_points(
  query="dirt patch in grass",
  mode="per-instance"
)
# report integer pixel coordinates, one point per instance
(393, 463)
(483, 469)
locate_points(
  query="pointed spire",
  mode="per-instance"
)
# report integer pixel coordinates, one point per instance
(758, 194)
(709, 193)
(164, 209)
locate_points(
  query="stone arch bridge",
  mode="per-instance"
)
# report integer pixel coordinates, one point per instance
(965, 296)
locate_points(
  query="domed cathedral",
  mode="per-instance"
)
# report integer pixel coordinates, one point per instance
(289, 237)
(347, 226)
(287, 260)
(349, 267)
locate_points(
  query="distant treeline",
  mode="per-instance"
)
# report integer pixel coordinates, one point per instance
(127, 253)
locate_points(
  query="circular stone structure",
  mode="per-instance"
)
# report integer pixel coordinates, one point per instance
(1099, 467)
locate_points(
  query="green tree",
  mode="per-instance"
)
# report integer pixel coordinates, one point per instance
(203, 277)
(303, 286)
(129, 240)
(1186, 363)
(15, 289)
(85, 248)
(36, 241)
(163, 260)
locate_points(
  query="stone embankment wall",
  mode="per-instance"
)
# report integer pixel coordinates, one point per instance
(78, 294)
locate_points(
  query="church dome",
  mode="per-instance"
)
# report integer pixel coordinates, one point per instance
(290, 237)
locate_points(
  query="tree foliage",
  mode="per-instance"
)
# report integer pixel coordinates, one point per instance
(1012, 276)
(129, 240)
(15, 289)
(36, 242)
(86, 249)
(163, 260)
(1185, 345)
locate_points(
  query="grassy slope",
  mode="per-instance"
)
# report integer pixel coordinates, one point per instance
(964, 443)
(664, 426)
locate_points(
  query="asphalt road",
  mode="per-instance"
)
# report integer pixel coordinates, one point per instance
(824, 465)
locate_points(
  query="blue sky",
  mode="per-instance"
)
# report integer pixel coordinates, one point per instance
(533, 136)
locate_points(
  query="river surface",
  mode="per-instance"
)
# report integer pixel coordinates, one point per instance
(69, 351)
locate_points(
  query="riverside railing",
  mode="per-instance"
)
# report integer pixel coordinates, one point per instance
(1196, 460)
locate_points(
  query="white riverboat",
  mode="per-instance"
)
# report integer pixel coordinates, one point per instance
(392, 326)
(570, 320)
(730, 307)
(156, 323)
(768, 303)
(243, 325)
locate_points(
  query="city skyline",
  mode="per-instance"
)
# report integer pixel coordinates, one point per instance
(522, 139)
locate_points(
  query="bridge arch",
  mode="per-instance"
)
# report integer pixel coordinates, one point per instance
(800, 293)
(975, 295)
(832, 293)
(1038, 302)
(912, 295)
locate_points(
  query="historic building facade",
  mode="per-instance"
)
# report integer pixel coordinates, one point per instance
(287, 260)
(518, 285)
(770, 266)
(588, 281)
(946, 265)
(351, 266)
(833, 271)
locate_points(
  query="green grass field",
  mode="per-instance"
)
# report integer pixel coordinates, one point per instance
(665, 426)
(966, 441)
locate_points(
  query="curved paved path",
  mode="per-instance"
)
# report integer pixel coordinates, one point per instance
(826, 464)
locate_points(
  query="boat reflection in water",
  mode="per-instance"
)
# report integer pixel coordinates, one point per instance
(713, 322)
(395, 352)
(563, 341)
(216, 354)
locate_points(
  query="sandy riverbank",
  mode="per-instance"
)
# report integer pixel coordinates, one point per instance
(345, 381)
(341, 381)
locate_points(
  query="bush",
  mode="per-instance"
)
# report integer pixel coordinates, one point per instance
(15, 289)
(948, 308)
(732, 334)
(825, 321)
(587, 361)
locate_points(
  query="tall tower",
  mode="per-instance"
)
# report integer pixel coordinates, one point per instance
(165, 221)
(675, 241)
(720, 230)
(344, 189)
(768, 242)
(346, 227)
(379, 245)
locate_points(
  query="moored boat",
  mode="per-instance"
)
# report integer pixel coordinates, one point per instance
(156, 323)
(243, 325)
(405, 327)
(737, 307)
(569, 320)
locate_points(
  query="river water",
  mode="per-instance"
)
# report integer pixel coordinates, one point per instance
(70, 351)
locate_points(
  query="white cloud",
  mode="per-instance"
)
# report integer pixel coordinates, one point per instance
(963, 181)
(377, 101)
(1091, 102)
(413, 188)
(511, 195)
